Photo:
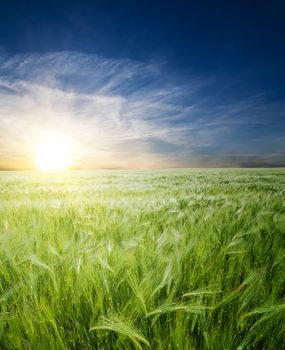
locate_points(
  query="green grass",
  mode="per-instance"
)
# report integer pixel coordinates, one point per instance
(176, 259)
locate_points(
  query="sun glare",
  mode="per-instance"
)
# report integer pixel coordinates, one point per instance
(54, 154)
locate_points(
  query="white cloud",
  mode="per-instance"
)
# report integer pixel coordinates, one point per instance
(119, 113)
(99, 103)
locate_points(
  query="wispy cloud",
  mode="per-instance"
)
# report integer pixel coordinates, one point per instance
(122, 113)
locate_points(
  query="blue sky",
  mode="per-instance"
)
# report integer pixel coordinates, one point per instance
(144, 84)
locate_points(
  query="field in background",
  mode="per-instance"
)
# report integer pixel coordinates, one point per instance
(177, 259)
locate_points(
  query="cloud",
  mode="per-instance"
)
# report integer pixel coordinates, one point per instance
(121, 113)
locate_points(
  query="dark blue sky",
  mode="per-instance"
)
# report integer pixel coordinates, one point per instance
(226, 59)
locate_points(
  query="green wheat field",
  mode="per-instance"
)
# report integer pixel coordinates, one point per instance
(166, 259)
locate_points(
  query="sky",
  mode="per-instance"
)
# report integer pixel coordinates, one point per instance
(144, 84)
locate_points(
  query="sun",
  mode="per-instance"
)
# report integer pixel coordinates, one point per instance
(54, 154)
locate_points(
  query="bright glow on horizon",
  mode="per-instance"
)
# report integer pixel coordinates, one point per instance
(53, 154)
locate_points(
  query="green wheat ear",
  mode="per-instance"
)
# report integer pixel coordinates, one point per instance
(166, 259)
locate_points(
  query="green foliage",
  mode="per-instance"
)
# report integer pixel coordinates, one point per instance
(173, 259)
